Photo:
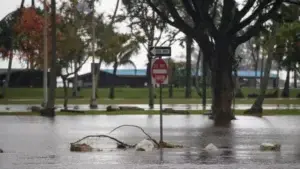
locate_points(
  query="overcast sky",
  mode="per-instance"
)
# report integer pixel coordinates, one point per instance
(105, 6)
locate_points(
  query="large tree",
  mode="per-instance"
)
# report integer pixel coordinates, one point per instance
(218, 39)
(145, 22)
(119, 51)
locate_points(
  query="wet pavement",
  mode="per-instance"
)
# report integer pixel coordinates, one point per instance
(86, 107)
(34, 142)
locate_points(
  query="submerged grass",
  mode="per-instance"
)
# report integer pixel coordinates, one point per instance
(145, 101)
(147, 112)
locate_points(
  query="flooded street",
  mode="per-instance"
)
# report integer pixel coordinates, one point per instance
(33, 142)
(101, 107)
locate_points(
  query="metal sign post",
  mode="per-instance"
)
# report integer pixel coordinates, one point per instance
(159, 73)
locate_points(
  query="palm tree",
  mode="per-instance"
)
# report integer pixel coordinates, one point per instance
(121, 51)
(7, 44)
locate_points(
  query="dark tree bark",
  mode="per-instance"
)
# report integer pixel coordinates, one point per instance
(150, 85)
(112, 88)
(66, 97)
(188, 67)
(295, 79)
(218, 42)
(171, 85)
(197, 86)
(257, 107)
(222, 83)
(22, 3)
(286, 89)
(75, 81)
(7, 78)
(98, 77)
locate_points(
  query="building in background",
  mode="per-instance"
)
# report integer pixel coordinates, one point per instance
(137, 78)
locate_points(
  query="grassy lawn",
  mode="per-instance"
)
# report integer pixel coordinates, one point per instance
(130, 96)
(145, 101)
(150, 112)
(121, 93)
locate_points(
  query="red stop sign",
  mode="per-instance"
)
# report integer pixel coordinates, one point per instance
(159, 71)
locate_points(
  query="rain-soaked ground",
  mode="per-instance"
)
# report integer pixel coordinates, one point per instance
(33, 142)
(86, 107)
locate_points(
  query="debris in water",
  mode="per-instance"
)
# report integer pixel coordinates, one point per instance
(270, 147)
(168, 145)
(1, 151)
(145, 145)
(80, 148)
(211, 148)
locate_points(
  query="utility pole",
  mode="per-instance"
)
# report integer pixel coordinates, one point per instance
(93, 103)
(45, 80)
(50, 109)
(204, 84)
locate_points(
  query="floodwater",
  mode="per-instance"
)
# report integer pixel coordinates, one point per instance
(33, 142)
(86, 107)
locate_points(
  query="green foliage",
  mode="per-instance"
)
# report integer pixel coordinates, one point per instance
(7, 30)
(120, 49)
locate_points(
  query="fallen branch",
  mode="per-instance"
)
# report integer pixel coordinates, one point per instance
(127, 125)
(105, 136)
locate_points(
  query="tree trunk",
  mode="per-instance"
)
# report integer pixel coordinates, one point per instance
(278, 80)
(75, 81)
(261, 66)
(66, 97)
(7, 78)
(112, 87)
(97, 78)
(238, 89)
(22, 3)
(51, 101)
(222, 82)
(150, 85)
(171, 85)
(188, 67)
(197, 86)
(256, 108)
(295, 79)
(286, 89)
(204, 81)
(256, 70)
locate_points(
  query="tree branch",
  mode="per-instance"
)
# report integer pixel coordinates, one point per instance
(245, 10)
(256, 13)
(159, 37)
(106, 136)
(203, 8)
(171, 39)
(227, 15)
(294, 2)
(127, 125)
(255, 29)
(161, 14)
(191, 11)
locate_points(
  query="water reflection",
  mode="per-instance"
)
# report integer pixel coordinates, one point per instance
(39, 142)
(85, 107)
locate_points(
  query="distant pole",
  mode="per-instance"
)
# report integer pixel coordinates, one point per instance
(52, 85)
(204, 75)
(45, 54)
(161, 112)
(93, 99)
